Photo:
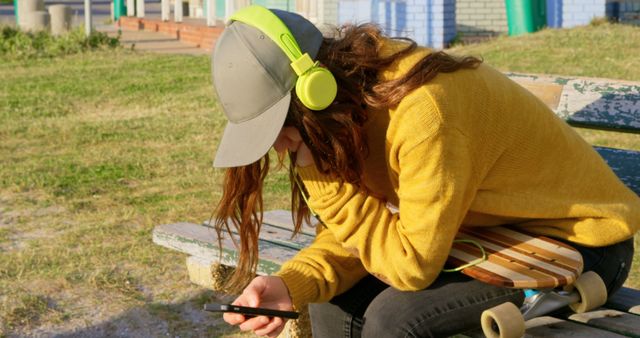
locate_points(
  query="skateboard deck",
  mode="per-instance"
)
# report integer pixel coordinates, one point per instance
(516, 259)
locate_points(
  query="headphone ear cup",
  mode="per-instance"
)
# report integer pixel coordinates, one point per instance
(317, 88)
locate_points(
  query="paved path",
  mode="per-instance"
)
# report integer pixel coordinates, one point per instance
(153, 42)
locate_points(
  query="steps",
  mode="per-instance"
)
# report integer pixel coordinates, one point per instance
(194, 31)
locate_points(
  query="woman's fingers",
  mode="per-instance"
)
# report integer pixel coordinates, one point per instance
(272, 329)
(261, 325)
(233, 318)
(270, 292)
(254, 323)
(251, 295)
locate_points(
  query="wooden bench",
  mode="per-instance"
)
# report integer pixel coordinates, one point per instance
(583, 102)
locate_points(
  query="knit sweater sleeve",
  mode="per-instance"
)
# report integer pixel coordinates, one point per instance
(407, 249)
(321, 271)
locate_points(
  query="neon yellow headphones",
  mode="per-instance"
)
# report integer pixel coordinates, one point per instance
(316, 87)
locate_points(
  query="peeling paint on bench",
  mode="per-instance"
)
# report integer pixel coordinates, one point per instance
(612, 320)
(555, 327)
(201, 240)
(626, 165)
(625, 299)
(591, 102)
(197, 240)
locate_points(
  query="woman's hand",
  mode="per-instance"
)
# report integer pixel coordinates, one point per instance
(263, 291)
(303, 156)
(290, 139)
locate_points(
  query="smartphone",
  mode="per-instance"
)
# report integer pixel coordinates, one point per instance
(249, 311)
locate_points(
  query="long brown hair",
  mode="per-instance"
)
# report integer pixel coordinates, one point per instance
(335, 135)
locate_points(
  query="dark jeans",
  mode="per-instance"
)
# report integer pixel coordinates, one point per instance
(451, 305)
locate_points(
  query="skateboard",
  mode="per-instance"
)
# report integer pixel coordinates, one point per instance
(550, 272)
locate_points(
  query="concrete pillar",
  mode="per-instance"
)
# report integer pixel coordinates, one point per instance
(199, 11)
(33, 5)
(229, 9)
(60, 16)
(196, 9)
(177, 11)
(25, 7)
(22, 14)
(131, 8)
(37, 21)
(211, 12)
(88, 18)
(165, 10)
(140, 8)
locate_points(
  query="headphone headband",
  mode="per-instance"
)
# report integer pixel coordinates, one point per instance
(268, 23)
(315, 87)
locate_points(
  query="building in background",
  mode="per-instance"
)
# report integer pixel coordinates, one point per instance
(436, 23)
(429, 22)
(625, 11)
(481, 19)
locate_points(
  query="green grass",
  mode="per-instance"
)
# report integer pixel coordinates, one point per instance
(600, 50)
(16, 44)
(97, 148)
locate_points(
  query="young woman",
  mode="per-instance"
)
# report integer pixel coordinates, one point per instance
(413, 145)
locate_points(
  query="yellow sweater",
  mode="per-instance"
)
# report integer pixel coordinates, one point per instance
(468, 148)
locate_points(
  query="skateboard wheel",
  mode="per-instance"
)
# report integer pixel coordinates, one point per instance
(502, 321)
(592, 291)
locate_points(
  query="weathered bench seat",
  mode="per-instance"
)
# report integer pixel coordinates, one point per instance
(200, 240)
(602, 104)
(621, 314)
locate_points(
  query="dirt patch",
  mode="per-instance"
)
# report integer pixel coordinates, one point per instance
(70, 303)
(18, 227)
(179, 319)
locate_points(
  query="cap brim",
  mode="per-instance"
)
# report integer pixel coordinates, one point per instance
(246, 142)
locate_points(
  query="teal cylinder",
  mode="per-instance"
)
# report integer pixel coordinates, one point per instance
(15, 12)
(525, 16)
(119, 9)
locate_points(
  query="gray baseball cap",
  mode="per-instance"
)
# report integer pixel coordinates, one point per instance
(253, 80)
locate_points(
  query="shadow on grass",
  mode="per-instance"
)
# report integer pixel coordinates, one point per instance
(185, 319)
